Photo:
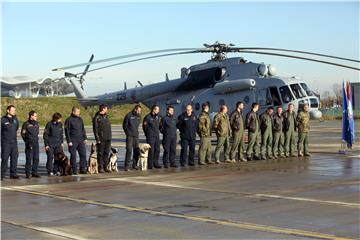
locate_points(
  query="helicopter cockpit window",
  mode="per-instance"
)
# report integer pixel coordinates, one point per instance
(298, 92)
(308, 91)
(275, 96)
(286, 94)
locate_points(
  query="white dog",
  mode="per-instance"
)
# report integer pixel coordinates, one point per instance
(112, 166)
(143, 156)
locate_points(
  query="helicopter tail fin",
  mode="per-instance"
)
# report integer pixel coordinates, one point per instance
(80, 94)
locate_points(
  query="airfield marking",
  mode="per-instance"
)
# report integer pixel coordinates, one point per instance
(229, 223)
(171, 185)
(46, 230)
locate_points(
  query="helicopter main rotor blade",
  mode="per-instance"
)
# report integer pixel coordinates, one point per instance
(141, 59)
(302, 58)
(123, 56)
(297, 51)
(88, 65)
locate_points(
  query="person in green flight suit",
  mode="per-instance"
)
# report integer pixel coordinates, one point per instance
(266, 133)
(289, 130)
(222, 128)
(238, 128)
(303, 123)
(204, 131)
(253, 126)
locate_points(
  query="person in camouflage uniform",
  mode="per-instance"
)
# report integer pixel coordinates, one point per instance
(204, 131)
(237, 127)
(266, 133)
(303, 123)
(289, 130)
(278, 134)
(253, 126)
(223, 131)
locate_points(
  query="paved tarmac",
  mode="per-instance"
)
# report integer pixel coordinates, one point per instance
(294, 198)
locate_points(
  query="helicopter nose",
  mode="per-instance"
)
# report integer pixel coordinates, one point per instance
(315, 114)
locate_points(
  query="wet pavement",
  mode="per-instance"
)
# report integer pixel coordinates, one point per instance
(294, 198)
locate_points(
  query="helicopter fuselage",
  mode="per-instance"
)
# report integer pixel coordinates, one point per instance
(222, 82)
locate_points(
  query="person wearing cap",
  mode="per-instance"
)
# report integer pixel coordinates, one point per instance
(102, 132)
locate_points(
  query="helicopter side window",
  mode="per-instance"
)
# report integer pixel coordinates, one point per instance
(286, 94)
(275, 96)
(314, 103)
(298, 92)
(197, 106)
(246, 99)
(307, 89)
(221, 102)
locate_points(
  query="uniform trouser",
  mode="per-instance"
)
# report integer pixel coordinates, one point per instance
(266, 143)
(80, 147)
(52, 166)
(205, 150)
(153, 158)
(278, 146)
(253, 144)
(132, 147)
(303, 143)
(103, 151)
(237, 145)
(9, 150)
(289, 146)
(32, 158)
(222, 142)
(185, 144)
(169, 145)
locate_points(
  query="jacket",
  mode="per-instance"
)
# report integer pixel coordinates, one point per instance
(53, 134)
(101, 127)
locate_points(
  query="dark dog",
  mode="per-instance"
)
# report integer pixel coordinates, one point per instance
(63, 163)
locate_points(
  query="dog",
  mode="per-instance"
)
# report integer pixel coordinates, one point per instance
(93, 163)
(143, 156)
(112, 165)
(64, 163)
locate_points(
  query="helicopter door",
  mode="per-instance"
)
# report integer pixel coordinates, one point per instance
(275, 96)
(263, 97)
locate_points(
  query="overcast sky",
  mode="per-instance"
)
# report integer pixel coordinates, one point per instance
(37, 37)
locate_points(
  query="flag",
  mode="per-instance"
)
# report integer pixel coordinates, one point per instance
(348, 128)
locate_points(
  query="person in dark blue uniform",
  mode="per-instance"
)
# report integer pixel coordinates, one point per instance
(30, 135)
(168, 129)
(53, 140)
(102, 132)
(151, 125)
(9, 148)
(131, 128)
(76, 138)
(187, 127)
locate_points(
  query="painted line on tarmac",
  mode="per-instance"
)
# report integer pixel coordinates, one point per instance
(229, 223)
(48, 230)
(248, 194)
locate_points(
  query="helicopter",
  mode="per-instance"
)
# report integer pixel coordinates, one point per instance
(219, 81)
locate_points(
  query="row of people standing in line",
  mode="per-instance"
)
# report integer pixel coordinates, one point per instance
(270, 127)
(53, 141)
(275, 133)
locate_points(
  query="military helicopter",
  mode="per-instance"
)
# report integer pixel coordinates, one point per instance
(220, 80)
